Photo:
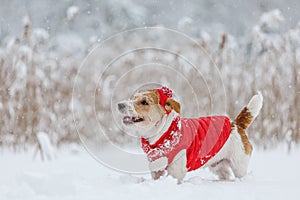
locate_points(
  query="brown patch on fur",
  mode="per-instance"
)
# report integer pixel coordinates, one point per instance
(242, 122)
(152, 103)
(232, 125)
(153, 95)
(150, 97)
(244, 119)
(172, 104)
(246, 142)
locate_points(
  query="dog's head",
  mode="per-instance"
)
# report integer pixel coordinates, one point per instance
(146, 109)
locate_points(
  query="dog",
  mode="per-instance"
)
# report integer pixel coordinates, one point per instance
(178, 145)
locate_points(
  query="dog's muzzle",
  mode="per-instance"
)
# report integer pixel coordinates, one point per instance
(125, 109)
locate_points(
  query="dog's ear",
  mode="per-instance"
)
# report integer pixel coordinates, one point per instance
(172, 104)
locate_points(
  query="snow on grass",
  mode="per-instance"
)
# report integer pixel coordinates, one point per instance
(46, 148)
(76, 175)
(72, 12)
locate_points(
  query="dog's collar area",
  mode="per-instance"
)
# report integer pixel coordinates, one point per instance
(165, 143)
(162, 126)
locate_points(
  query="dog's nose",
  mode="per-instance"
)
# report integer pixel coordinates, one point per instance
(121, 106)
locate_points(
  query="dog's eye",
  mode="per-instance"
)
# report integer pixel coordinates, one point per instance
(144, 102)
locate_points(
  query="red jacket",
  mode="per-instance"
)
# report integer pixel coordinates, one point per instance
(202, 137)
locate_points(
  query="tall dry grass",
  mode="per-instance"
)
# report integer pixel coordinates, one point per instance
(36, 83)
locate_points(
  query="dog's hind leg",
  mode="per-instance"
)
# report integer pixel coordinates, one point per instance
(239, 166)
(221, 169)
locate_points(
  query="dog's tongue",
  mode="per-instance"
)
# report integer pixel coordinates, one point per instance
(131, 120)
(127, 120)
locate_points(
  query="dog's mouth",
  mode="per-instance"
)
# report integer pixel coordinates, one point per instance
(132, 120)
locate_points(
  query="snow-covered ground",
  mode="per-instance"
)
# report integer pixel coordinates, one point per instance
(76, 175)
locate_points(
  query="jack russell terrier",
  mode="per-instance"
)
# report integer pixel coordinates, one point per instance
(179, 145)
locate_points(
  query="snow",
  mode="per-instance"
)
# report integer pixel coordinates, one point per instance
(185, 24)
(69, 44)
(205, 37)
(72, 12)
(271, 20)
(75, 175)
(26, 20)
(40, 35)
(46, 148)
(38, 69)
(298, 57)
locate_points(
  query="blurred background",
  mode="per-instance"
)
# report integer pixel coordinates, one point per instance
(255, 45)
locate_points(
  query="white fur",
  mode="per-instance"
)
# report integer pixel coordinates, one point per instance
(159, 164)
(232, 151)
(130, 108)
(162, 127)
(255, 104)
(177, 169)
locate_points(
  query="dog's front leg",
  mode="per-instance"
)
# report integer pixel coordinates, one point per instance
(158, 174)
(158, 167)
(177, 169)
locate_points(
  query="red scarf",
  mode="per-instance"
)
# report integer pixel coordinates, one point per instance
(202, 137)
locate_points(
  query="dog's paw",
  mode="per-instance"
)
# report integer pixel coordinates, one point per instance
(248, 177)
(158, 174)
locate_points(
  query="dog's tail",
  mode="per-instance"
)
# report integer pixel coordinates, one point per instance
(249, 113)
